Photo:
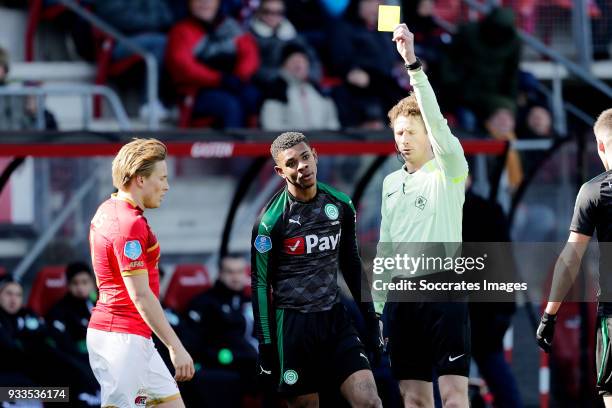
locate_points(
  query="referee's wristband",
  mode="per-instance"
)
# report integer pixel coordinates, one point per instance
(414, 66)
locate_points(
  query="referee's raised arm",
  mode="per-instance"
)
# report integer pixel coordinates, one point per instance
(446, 147)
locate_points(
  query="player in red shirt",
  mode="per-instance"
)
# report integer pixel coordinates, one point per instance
(125, 255)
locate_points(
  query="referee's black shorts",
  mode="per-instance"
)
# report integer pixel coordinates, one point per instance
(428, 335)
(317, 349)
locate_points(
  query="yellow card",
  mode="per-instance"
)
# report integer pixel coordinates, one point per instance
(388, 18)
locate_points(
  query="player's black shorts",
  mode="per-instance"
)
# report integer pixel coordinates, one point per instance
(603, 361)
(317, 349)
(428, 335)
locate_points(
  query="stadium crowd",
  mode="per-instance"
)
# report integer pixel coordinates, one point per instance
(309, 65)
(263, 61)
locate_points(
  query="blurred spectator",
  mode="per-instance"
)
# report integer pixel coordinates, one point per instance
(539, 123)
(313, 18)
(145, 23)
(298, 104)
(211, 57)
(529, 92)
(365, 59)
(11, 371)
(429, 36)
(222, 320)
(272, 31)
(20, 112)
(481, 65)
(29, 349)
(500, 125)
(70, 316)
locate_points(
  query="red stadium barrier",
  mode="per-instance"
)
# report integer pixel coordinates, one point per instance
(227, 149)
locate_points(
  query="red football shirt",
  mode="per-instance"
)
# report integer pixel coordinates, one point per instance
(122, 244)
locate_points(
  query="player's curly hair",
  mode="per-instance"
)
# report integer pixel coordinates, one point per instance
(406, 107)
(286, 141)
(603, 124)
(137, 158)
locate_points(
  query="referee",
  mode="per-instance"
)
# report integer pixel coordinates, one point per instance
(422, 202)
(592, 212)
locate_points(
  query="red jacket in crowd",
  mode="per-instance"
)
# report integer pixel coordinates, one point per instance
(189, 74)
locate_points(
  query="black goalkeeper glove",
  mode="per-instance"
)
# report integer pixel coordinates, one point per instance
(374, 342)
(267, 363)
(546, 331)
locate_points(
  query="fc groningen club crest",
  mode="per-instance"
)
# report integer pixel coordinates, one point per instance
(290, 377)
(331, 211)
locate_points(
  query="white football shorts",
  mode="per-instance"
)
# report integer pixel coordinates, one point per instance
(129, 369)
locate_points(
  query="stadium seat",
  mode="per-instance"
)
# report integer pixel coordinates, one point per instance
(187, 281)
(49, 286)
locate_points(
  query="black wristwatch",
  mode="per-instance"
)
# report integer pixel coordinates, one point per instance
(415, 65)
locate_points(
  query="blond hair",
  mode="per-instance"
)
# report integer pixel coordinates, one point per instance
(603, 125)
(406, 107)
(137, 158)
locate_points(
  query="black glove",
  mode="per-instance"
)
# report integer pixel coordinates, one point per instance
(374, 342)
(231, 83)
(267, 365)
(546, 331)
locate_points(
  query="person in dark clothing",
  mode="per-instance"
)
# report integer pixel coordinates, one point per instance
(365, 59)
(429, 36)
(30, 350)
(535, 124)
(481, 65)
(484, 221)
(70, 316)
(221, 317)
(221, 320)
(313, 19)
(273, 32)
(209, 56)
(145, 23)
